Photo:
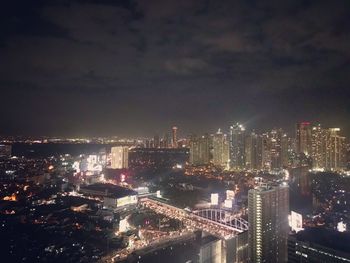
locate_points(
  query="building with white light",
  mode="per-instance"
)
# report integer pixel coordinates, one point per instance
(120, 157)
(237, 146)
(268, 209)
(214, 199)
(113, 196)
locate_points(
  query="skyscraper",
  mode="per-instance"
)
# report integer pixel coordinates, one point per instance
(285, 150)
(268, 223)
(120, 157)
(303, 137)
(237, 146)
(253, 153)
(335, 150)
(318, 147)
(220, 149)
(226, 152)
(266, 151)
(156, 141)
(174, 137)
(165, 141)
(199, 150)
(276, 148)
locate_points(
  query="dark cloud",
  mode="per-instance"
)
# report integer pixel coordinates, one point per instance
(136, 67)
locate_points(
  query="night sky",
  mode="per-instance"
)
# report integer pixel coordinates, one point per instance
(133, 68)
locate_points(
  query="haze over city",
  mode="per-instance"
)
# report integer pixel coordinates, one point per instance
(177, 131)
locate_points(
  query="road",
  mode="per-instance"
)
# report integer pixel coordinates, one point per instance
(190, 220)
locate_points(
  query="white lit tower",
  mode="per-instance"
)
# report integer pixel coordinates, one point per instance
(268, 209)
(120, 157)
(303, 138)
(237, 146)
(335, 150)
(174, 137)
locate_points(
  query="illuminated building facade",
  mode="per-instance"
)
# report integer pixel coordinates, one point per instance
(156, 141)
(113, 196)
(199, 150)
(174, 137)
(165, 141)
(268, 209)
(253, 151)
(120, 157)
(276, 148)
(214, 250)
(335, 150)
(285, 150)
(266, 151)
(220, 149)
(318, 147)
(303, 137)
(237, 146)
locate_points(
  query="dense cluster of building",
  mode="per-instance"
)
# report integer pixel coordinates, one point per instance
(84, 198)
(315, 146)
(166, 141)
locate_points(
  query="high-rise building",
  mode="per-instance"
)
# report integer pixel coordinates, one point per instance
(318, 147)
(276, 148)
(253, 152)
(156, 141)
(214, 250)
(237, 146)
(226, 152)
(218, 139)
(199, 150)
(120, 157)
(204, 151)
(303, 137)
(266, 151)
(285, 147)
(249, 151)
(174, 137)
(268, 209)
(165, 141)
(220, 149)
(194, 150)
(335, 150)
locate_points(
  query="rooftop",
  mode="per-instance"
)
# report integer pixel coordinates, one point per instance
(327, 238)
(112, 190)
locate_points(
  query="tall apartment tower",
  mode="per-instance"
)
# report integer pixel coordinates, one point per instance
(174, 137)
(303, 137)
(120, 157)
(237, 146)
(276, 148)
(266, 151)
(220, 149)
(268, 223)
(335, 150)
(318, 147)
(253, 152)
(199, 150)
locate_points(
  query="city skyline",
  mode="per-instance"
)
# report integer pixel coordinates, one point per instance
(202, 131)
(167, 132)
(129, 68)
